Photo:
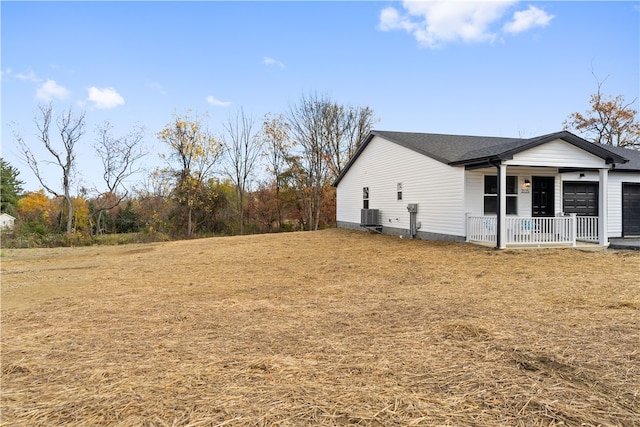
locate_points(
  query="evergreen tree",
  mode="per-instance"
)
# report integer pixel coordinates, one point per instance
(11, 187)
(127, 220)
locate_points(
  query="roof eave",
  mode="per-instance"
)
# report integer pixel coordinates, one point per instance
(480, 162)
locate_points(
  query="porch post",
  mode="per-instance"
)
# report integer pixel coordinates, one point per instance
(501, 220)
(466, 227)
(574, 229)
(603, 203)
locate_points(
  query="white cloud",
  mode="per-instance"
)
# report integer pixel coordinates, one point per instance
(106, 98)
(390, 19)
(436, 23)
(157, 87)
(51, 90)
(525, 20)
(216, 102)
(271, 61)
(28, 77)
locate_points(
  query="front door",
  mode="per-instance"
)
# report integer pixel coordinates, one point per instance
(543, 196)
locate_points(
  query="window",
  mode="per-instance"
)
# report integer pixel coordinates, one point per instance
(399, 190)
(365, 197)
(491, 195)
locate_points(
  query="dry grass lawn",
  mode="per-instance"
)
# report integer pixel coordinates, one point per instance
(327, 328)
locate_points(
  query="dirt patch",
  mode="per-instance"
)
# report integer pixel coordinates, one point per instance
(325, 328)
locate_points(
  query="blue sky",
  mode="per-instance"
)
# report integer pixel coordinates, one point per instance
(499, 68)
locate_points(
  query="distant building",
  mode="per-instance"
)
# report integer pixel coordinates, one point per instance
(6, 221)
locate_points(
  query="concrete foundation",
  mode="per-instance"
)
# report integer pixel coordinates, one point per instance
(403, 232)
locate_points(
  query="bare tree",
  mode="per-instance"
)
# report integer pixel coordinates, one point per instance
(277, 143)
(71, 128)
(308, 129)
(328, 134)
(334, 124)
(611, 121)
(119, 157)
(346, 128)
(154, 201)
(243, 149)
(360, 121)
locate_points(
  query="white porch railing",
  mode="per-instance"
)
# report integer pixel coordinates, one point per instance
(538, 230)
(587, 228)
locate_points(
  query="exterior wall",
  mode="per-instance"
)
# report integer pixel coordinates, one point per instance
(444, 194)
(474, 195)
(474, 182)
(437, 189)
(543, 160)
(614, 210)
(6, 221)
(556, 153)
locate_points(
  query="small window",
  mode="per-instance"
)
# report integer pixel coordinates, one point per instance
(399, 190)
(491, 195)
(365, 197)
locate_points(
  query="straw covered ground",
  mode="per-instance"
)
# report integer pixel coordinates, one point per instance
(329, 328)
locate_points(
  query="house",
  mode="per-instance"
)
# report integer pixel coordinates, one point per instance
(554, 189)
(6, 221)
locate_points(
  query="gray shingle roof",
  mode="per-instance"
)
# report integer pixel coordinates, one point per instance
(632, 155)
(447, 148)
(461, 150)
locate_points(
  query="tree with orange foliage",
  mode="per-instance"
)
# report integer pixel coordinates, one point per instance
(37, 212)
(34, 206)
(611, 121)
(80, 219)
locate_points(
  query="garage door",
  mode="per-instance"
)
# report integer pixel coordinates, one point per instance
(630, 209)
(580, 198)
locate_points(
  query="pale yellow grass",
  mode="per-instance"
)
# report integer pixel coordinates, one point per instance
(324, 328)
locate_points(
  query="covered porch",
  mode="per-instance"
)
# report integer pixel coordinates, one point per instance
(545, 196)
(563, 231)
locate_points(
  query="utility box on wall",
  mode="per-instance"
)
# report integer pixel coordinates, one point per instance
(412, 208)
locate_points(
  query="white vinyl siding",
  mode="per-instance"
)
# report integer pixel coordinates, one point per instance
(614, 208)
(444, 194)
(474, 182)
(615, 200)
(438, 189)
(556, 153)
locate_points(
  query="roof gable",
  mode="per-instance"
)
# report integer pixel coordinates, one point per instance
(464, 150)
(557, 153)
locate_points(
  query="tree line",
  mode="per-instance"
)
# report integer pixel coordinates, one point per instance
(269, 176)
(255, 177)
